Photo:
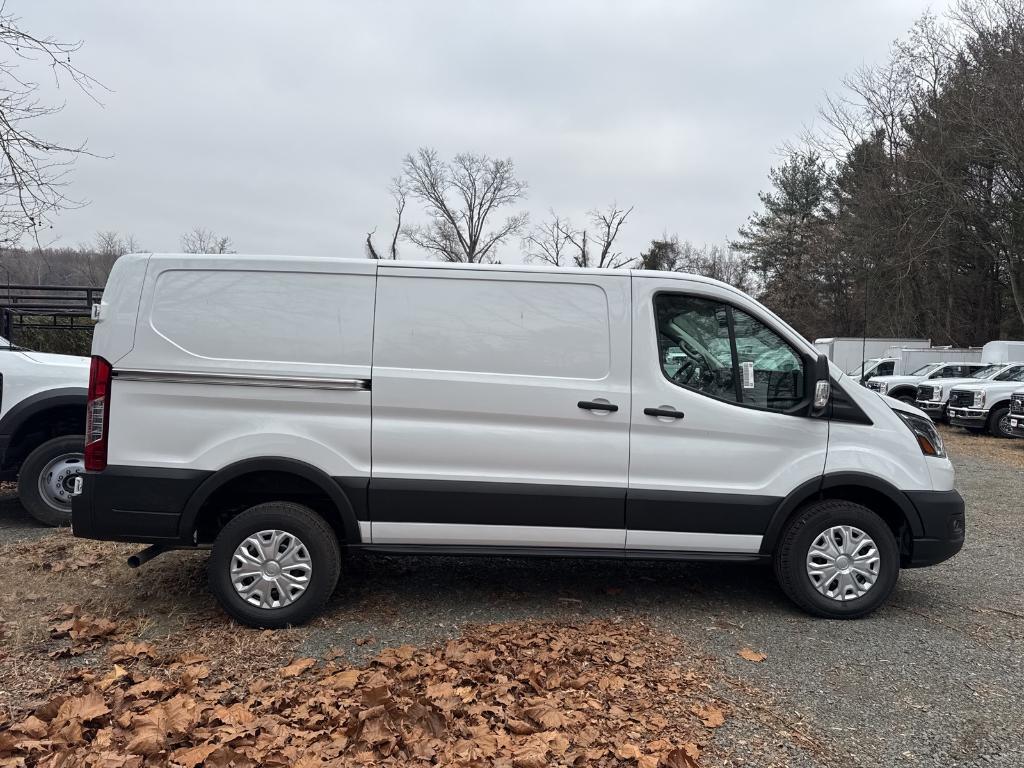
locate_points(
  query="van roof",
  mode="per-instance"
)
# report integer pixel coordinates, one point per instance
(207, 258)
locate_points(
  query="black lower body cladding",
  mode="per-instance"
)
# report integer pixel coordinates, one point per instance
(138, 504)
(149, 504)
(944, 520)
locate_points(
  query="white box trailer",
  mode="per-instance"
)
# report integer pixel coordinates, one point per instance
(849, 352)
(1003, 352)
(910, 360)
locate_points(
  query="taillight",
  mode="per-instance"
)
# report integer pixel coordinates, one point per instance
(97, 415)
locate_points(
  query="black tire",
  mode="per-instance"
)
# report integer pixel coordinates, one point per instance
(319, 542)
(42, 506)
(997, 426)
(796, 540)
(908, 399)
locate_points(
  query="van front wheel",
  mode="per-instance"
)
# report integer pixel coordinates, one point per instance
(274, 565)
(837, 559)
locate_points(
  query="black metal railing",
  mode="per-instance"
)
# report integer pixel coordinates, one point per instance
(47, 307)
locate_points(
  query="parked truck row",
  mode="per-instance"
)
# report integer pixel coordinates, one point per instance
(974, 388)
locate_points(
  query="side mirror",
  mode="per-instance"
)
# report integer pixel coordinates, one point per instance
(819, 385)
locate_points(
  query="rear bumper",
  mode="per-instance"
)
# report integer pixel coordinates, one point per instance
(944, 522)
(967, 417)
(138, 504)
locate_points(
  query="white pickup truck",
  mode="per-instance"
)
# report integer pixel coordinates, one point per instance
(984, 406)
(933, 394)
(905, 387)
(42, 423)
(1017, 413)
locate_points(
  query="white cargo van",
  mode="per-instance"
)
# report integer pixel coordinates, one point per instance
(283, 410)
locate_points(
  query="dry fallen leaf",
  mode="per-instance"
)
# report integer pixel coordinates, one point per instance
(752, 655)
(678, 758)
(297, 667)
(709, 714)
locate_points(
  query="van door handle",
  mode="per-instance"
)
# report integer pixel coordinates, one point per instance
(668, 413)
(592, 405)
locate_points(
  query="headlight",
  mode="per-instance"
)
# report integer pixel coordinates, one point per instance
(936, 392)
(979, 399)
(927, 436)
(883, 387)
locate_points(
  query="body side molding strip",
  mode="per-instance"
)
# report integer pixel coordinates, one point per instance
(241, 380)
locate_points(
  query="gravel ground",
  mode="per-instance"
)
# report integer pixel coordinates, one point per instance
(932, 679)
(15, 524)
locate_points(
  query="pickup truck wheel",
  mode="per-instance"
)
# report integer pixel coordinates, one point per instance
(274, 565)
(999, 423)
(837, 559)
(47, 476)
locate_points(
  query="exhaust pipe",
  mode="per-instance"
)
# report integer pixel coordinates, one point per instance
(146, 555)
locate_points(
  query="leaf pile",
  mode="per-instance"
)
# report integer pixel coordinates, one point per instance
(522, 695)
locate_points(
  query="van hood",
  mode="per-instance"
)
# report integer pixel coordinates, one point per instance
(899, 405)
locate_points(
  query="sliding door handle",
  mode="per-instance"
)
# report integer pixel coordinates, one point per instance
(665, 413)
(597, 405)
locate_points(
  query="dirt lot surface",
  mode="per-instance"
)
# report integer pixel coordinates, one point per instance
(476, 661)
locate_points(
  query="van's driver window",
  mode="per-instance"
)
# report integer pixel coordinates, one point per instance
(723, 352)
(693, 340)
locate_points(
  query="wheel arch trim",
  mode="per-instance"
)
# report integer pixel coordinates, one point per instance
(818, 488)
(280, 464)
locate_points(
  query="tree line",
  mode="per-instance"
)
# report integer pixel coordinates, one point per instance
(903, 214)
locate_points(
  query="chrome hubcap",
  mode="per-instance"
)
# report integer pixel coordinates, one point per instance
(842, 563)
(271, 569)
(57, 480)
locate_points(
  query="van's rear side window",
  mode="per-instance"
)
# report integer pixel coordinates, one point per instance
(518, 327)
(266, 316)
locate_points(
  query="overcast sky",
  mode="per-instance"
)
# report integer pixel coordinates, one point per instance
(280, 124)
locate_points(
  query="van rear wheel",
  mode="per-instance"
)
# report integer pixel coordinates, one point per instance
(837, 559)
(274, 565)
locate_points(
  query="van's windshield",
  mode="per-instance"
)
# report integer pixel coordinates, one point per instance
(924, 370)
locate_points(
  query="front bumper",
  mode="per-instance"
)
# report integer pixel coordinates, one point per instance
(1016, 424)
(967, 417)
(943, 518)
(932, 407)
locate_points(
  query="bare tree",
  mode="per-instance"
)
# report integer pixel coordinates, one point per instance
(559, 243)
(33, 170)
(548, 242)
(399, 195)
(461, 198)
(201, 240)
(608, 222)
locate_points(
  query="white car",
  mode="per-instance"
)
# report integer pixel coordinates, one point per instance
(933, 395)
(905, 387)
(278, 410)
(42, 423)
(984, 406)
